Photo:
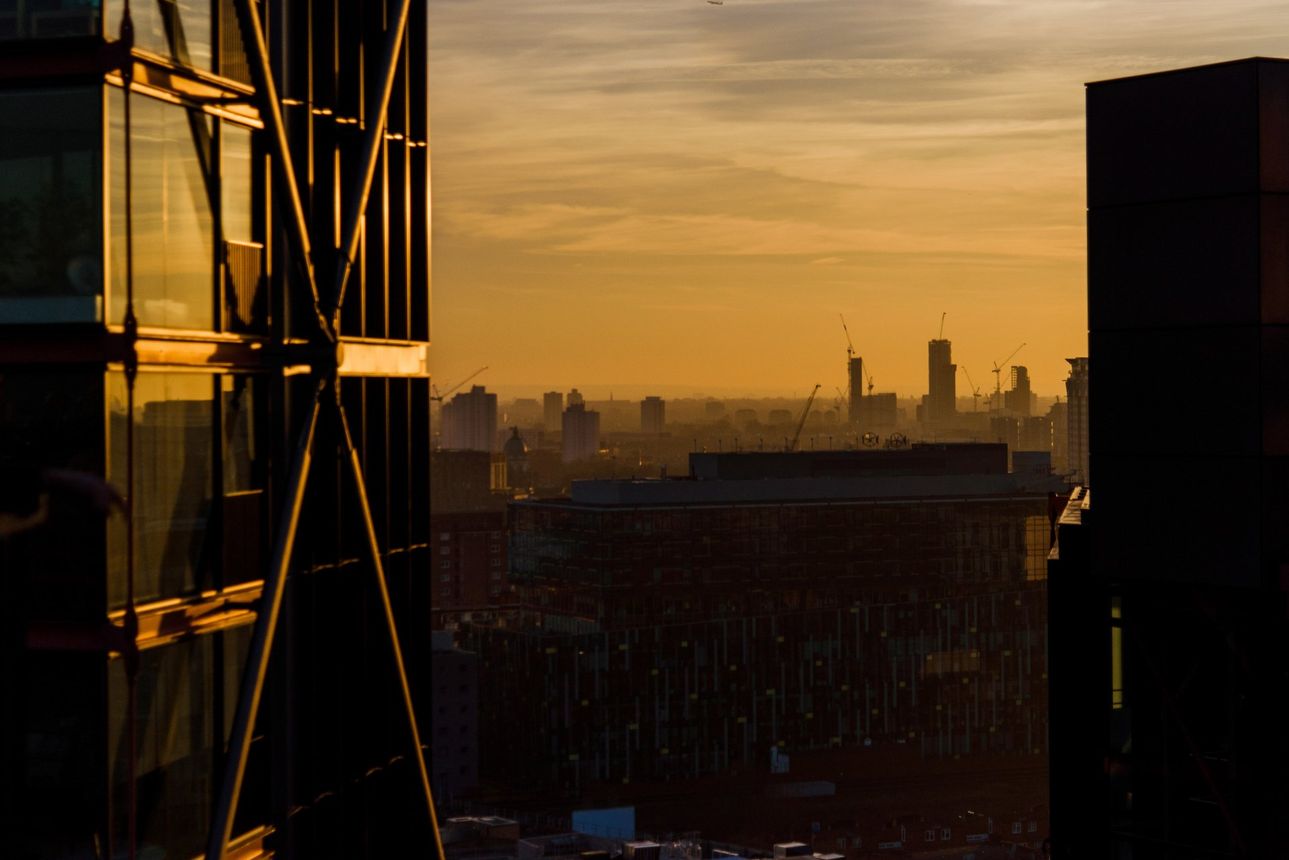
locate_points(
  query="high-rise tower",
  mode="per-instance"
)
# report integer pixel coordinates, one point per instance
(942, 377)
(855, 377)
(1167, 592)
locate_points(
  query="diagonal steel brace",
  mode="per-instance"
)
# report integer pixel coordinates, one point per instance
(367, 166)
(257, 660)
(270, 107)
(382, 587)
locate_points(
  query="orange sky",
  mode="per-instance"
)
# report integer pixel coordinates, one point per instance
(660, 196)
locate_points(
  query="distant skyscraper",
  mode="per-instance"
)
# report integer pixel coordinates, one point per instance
(575, 398)
(1018, 399)
(855, 376)
(552, 409)
(653, 415)
(470, 421)
(1058, 416)
(942, 377)
(581, 434)
(1076, 415)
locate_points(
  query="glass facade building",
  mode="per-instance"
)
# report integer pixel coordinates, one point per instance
(160, 329)
(1169, 623)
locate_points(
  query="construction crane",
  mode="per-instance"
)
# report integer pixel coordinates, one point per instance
(998, 375)
(975, 392)
(434, 392)
(850, 347)
(942, 316)
(792, 446)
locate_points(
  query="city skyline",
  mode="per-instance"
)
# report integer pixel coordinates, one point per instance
(677, 195)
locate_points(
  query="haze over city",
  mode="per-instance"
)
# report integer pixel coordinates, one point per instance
(671, 196)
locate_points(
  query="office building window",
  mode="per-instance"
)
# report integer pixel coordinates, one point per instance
(49, 19)
(237, 183)
(1116, 654)
(177, 29)
(51, 266)
(185, 698)
(173, 465)
(174, 260)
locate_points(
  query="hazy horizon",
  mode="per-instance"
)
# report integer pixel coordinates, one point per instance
(673, 190)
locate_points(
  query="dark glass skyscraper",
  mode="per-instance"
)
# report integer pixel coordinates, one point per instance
(214, 294)
(1167, 592)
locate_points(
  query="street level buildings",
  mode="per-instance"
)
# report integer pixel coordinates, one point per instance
(675, 628)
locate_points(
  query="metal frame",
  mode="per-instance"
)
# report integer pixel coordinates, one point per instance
(325, 357)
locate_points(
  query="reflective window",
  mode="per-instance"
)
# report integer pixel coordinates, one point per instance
(50, 234)
(237, 396)
(185, 698)
(173, 467)
(236, 183)
(49, 19)
(178, 29)
(174, 273)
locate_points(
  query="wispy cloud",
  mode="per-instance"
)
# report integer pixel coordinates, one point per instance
(661, 143)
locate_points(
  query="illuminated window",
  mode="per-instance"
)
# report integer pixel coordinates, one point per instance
(1116, 654)
(174, 281)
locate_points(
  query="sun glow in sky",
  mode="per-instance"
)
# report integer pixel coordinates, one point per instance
(663, 195)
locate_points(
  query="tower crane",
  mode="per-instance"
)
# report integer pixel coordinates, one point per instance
(792, 446)
(975, 392)
(942, 316)
(998, 378)
(850, 347)
(435, 395)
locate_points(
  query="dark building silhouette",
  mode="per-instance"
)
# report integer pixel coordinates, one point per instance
(653, 415)
(1018, 398)
(469, 421)
(677, 628)
(177, 219)
(454, 720)
(855, 387)
(1076, 421)
(552, 409)
(1167, 589)
(942, 380)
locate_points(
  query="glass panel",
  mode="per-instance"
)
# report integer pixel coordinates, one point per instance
(174, 737)
(174, 274)
(178, 29)
(48, 19)
(50, 227)
(173, 462)
(237, 394)
(235, 177)
(186, 697)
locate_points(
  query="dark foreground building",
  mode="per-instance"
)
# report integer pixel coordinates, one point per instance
(1168, 612)
(179, 220)
(677, 628)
